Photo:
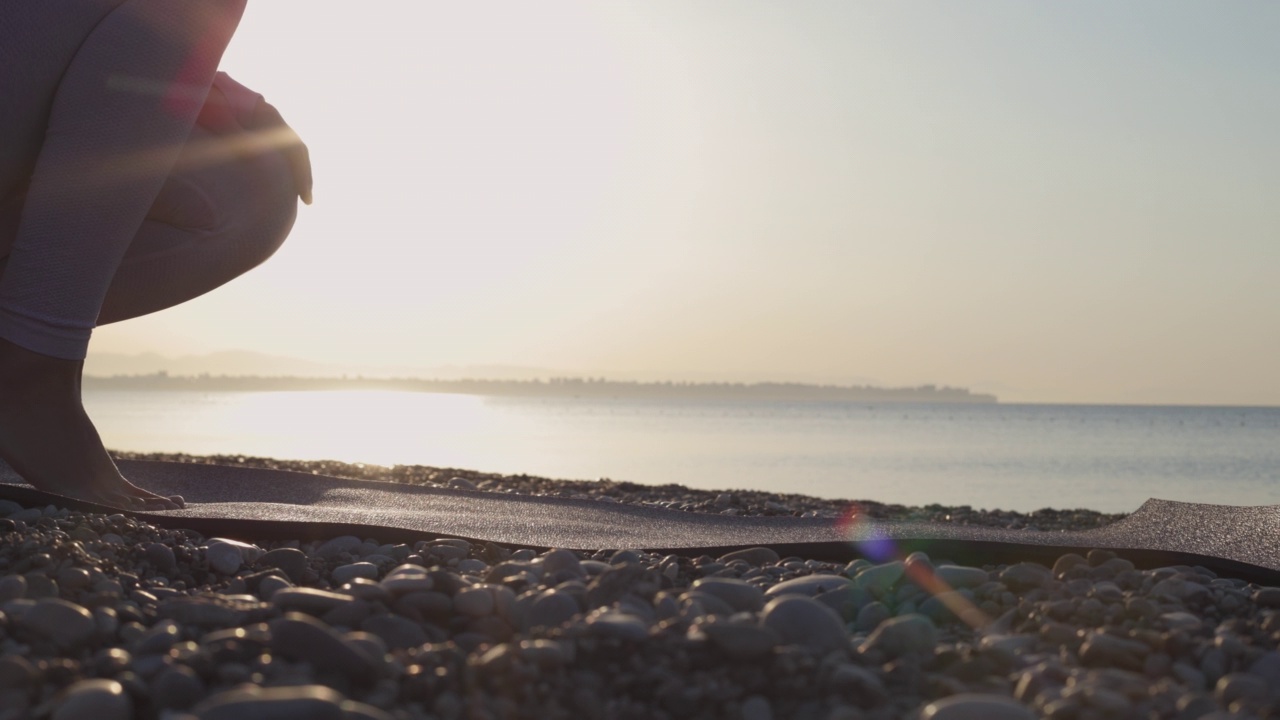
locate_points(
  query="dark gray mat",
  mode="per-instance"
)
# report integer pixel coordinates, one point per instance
(255, 503)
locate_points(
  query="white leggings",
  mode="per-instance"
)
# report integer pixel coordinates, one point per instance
(113, 204)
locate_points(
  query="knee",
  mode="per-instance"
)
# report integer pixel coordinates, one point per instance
(277, 204)
(269, 210)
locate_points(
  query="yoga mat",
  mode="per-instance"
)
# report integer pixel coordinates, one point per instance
(260, 504)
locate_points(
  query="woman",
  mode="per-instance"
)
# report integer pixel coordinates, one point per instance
(133, 177)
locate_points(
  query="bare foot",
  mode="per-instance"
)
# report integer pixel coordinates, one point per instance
(48, 439)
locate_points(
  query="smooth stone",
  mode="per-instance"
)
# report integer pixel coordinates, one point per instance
(1240, 686)
(1181, 620)
(476, 602)
(618, 625)
(1102, 650)
(909, 634)
(27, 515)
(12, 587)
(302, 638)
(336, 546)
(976, 706)
(397, 632)
(871, 615)
(472, 566)
(270, 585)
(880, 579)
(73, 579)
(739, 594)
(559, 561)
(758, 556)
(67, 624)
(291, 561)
(209, 610)
(405, 583)
(344, 574)
(16, 672)
(960, 576)
(223, 558)
(97, 699)
(1267, 597)
(1267, 667)
(248, 552)
(1176, 588)
(757, 707)
(299, 702)
(800, 620)
(705, 603)
(552, 609)
(177, 687)
(161, 556)
(1025, 576)
(740, 641)
(309, 600)
(809, 585)
(9, 507)
(353, 710)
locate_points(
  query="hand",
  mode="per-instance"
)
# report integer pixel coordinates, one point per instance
(267, 120)
(258, 121)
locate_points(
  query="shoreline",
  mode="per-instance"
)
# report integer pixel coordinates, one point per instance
(674, 497)
(111, 618)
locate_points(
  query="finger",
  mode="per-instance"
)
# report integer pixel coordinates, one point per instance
(295, 151)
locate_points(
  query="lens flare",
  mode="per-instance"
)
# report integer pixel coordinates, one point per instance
(860, 529)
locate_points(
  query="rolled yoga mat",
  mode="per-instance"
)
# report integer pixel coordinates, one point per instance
(260, 504)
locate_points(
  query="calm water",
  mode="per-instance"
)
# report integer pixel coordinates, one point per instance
(1020, 457)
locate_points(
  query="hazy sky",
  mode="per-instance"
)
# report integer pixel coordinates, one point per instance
(1055, 201)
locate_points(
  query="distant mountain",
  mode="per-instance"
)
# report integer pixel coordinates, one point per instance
(554, 387)
(248, 363)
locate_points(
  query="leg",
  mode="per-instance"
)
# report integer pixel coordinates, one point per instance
(122, 112)
(223, 211)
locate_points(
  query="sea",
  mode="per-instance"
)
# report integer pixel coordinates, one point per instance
(1109, 458)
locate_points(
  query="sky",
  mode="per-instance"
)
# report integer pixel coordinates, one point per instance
(1054, 202)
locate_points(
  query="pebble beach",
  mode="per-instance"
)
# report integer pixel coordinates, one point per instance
(108, 617)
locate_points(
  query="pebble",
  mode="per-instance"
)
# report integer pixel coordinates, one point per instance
(618, 625)
(871, 615)
(66, 624)
(758, 556)
(291, 561)
(909, 634)
(342, 544)
(558, 562)
(880, 578)
(476, 602)
(552, 608)
(960, 576)
(810, 585)
(12, 587)
(97, 699)
(305, 702)
(1025, 576)
(177, 687)
(757, 707)
(161, 556)
(800, 620)
(974, 706)
(471, 630)
(302, 638)
(344, 574)
(740, 641)
(309, 600)
(1100, 649)
(223, 557)
(738, 594)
